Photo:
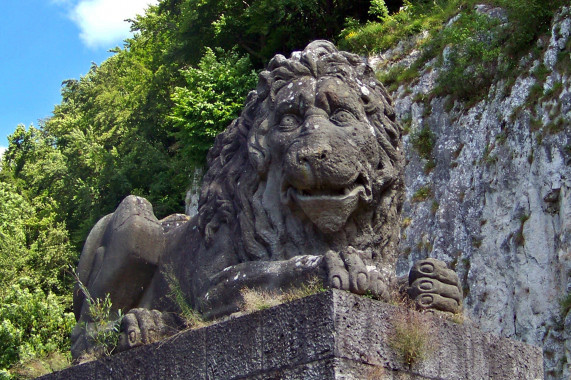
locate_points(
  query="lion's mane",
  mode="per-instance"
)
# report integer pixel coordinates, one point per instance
(239, 160)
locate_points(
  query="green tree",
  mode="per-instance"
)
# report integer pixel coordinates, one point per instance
(32, 324)
(34, 286)
(379, 9)
(213, 96)
(259, 28)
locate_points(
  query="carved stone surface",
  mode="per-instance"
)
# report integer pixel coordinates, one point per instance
(307, 182)
(434, 286)
(331, 335)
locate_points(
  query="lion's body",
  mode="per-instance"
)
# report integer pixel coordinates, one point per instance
(313, 164)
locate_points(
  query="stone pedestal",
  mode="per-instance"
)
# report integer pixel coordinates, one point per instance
(332, 335)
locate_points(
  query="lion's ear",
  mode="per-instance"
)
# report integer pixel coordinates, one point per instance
(263, 88)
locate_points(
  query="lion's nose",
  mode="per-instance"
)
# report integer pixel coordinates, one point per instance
(309, 156)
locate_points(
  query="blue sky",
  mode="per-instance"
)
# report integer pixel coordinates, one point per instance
(44, 42)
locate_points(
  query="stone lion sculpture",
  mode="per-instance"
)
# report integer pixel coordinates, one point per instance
(307, 182)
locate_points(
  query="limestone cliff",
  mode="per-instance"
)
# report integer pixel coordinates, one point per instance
(493, 195)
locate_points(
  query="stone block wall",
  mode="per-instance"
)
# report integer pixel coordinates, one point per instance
(331, 335)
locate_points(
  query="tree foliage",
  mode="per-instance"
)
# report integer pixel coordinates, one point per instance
(34, 286)
(212, 97)
(260, 28)
(32, 324)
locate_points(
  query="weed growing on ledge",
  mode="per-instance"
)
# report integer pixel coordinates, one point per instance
(258, 299)
(104, 330)
(457, 318)
(434, 207)
(411, 337)
(406, 222)
(430, 164)
(519, 238)
(192, 318)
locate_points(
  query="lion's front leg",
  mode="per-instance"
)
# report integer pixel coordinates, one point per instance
(354, 270)
(222, 296)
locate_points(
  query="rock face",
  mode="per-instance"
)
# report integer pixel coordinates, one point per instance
(497, 204)
(307, 182)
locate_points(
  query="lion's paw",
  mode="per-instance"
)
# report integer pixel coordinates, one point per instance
(348, 271)
(142, 326)
(433, 286)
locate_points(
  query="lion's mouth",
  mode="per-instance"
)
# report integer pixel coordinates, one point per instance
(329, 207)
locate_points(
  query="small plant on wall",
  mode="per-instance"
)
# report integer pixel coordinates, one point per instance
(104, 329)
(412, 336)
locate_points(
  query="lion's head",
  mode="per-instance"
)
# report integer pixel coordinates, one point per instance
(313, 163)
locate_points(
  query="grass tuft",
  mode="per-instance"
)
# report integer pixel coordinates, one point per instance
(565, 304)
(422, 194)
(411, 337)
(259, 299)
(192, 318)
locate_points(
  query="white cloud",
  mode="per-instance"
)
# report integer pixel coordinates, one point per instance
(2, 150)
(102, 22)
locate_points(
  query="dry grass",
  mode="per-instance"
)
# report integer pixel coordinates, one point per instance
(376, 373)
(258, 299)
(458, 318)
(313, 286)
(35, 367)
(412, 336)
(398, 295)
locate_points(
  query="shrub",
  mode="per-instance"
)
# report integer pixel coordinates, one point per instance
(213, 96)
(379, 9)
(410, 19)
(473, 45)
(32, 324)
(528, 20)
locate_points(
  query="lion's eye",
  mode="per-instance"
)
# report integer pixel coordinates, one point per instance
(343, 116)
(288, 123)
